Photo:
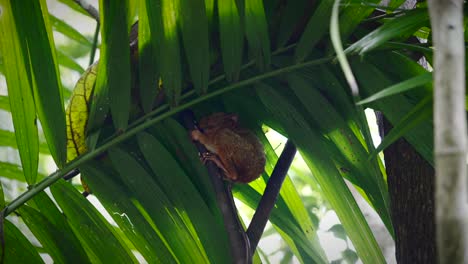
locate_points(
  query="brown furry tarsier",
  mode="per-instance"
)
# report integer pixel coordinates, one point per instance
(235, 150)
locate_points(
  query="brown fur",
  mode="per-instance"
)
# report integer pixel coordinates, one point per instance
(237, 151)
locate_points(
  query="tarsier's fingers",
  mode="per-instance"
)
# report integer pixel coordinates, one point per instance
(208, 156)
(204, 157)
(201, 157)
(229, 173)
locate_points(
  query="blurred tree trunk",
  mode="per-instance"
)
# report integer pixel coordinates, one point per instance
(450, 141)
(411, 187)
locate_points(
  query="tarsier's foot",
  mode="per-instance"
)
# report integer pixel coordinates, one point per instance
(208, 156)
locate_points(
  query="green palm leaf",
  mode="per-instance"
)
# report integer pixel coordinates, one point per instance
(137, 158)
(20, 92)
(37, 42)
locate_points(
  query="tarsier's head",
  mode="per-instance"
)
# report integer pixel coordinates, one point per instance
(219, 120)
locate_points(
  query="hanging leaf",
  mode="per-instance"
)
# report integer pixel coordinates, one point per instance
(52, 239)
(404, 86)
(99, 241)
(256, 30)
(124, 210)
(355, 154)
(399, 27)
(163, 20)
(194, 28)
(17, 247)
(232, 37)
(395, 3)
(168, 221)
(7, 139)
(174, 137)
(352, 15)
(373, 80)
(2, 196)
(63, 27)
(209, 8)
(172, 177)
(311, 147)
(49, 210)
(113, 79)
(14, 171)
(4, 103)
(149, 74)
(291, 18)
(68, 62)
(289, 216)
(46, 84)
(20, 95)
(316, 28)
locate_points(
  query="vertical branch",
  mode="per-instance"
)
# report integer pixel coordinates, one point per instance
(268, 200)
(450, 130)
(238, 240)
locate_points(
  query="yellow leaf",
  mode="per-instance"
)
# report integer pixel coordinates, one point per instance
(78, 111)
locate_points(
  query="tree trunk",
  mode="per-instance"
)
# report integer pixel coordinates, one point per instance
(411, 186)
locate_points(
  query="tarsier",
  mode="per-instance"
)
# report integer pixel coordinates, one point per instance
(236, 151)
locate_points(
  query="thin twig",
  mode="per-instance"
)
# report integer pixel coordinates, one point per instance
(89, 9)
(268, 200)
(95, 41)
(71, 174)
(238, 239)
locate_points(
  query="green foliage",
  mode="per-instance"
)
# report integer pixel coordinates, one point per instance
(163, 18)
(231, 36)
(18, 249)
(149, 76)
(94, 233)
(36, 38)
(312, 146)
(271, 62)
(114, 77)
(20, 92)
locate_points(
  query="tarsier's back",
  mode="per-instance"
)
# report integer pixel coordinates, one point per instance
(240, 152)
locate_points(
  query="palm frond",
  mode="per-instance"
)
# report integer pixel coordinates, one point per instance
(271, 62)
